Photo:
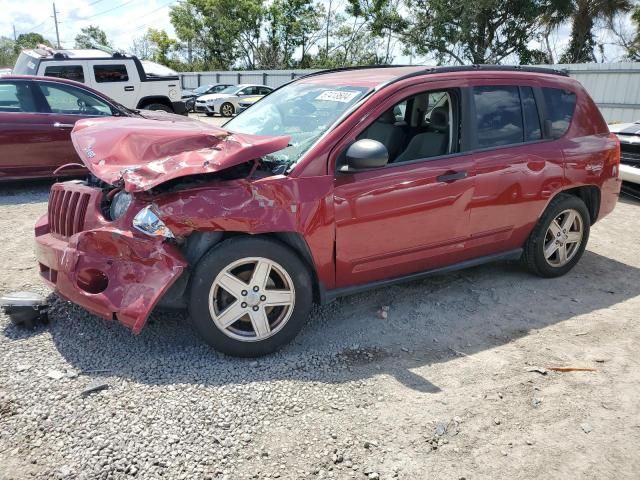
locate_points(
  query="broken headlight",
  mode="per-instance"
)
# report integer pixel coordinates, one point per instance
(119, 205)
(148, 221)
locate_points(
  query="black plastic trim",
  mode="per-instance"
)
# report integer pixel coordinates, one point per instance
(331, 295)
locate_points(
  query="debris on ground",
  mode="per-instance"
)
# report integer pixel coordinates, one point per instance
(94, 387)
(571, 369)
(540, 370)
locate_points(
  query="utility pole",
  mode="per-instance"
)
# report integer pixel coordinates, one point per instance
(15, 37)
(328, 23)
(55, 19)
(189, 52)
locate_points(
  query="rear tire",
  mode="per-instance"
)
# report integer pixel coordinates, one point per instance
(250, 296)
(559, 239)
(158, 106)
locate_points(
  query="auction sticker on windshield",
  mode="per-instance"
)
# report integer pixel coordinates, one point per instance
(337, 96)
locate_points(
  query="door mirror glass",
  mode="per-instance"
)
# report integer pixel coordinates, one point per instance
(365, 154)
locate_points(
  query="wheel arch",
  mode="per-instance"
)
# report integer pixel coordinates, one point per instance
(589, 194)
(199, 243)
(144, 101)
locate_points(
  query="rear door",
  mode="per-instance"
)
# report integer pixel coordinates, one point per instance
(117, 79)
(516, 168)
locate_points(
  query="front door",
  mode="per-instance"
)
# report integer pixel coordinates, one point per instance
(411, 215)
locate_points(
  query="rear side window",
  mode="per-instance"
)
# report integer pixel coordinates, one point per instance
(532, 130)
(110, 73)
(498, 116)
(71, 72)
(559, 107)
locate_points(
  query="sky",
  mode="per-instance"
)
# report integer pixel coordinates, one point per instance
(125, 20)
(122, 20)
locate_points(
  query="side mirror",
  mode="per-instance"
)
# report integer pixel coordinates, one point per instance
(365, 154)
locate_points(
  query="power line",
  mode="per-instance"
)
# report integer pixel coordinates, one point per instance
(105, 11)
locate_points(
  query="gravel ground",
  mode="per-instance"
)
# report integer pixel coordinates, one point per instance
(442, 388)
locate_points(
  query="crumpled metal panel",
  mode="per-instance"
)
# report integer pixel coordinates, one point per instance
(139, 154)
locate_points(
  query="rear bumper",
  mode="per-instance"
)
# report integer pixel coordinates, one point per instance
(109, 272)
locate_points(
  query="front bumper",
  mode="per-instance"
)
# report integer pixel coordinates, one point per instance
(204, 108)
(114, 274)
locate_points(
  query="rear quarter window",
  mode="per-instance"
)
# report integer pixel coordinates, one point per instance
(559, 107)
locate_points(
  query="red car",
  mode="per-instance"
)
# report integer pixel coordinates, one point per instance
(335, 183)
(36, 118)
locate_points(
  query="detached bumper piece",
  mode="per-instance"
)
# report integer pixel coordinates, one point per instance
(180, 107)
(25, 308)
(110, 273)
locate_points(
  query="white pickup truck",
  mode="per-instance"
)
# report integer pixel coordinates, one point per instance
(122, 77)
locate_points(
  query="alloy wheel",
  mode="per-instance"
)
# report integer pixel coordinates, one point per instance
(563, 238)
(251, 299)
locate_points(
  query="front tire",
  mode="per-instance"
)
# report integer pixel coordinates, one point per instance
(250, 296)
(559, 239)
(227, 109)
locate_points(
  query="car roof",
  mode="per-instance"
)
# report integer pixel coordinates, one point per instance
(71, 54)
(56, 80)
(242, 85)
(376, 76)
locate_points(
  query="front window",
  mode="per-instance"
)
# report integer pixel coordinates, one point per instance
(300, 110)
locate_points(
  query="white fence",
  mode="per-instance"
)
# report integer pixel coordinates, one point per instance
(615, 87)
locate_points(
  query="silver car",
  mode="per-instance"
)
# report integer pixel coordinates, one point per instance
(226, 102)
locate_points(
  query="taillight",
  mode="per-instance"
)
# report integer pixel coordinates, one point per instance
(614, 154)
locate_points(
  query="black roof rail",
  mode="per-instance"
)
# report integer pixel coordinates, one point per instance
(346, 69)
(446, 69)
(493, 68)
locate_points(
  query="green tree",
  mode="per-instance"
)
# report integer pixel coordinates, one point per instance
(293, 24)
(30, 40)
(585, 15)
(7, 52)
(160, 44)
(382, 19)
(482, 31)
(90, 36)
(633, 46)
(222, 32)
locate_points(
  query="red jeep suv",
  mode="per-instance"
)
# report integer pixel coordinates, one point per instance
(335, 183)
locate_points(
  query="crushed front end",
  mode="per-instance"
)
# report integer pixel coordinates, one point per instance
(102, 264)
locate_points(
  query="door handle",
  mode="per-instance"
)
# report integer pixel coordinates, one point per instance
(62, 125)
(452, 176)
(129, 89)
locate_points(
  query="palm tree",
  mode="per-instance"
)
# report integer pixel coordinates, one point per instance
(585, 13)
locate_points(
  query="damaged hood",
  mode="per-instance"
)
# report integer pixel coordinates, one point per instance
(139, 154)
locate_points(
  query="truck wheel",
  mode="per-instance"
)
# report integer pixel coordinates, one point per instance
(559, 239)
(249, 296)
(158, 106)
(227, 109)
